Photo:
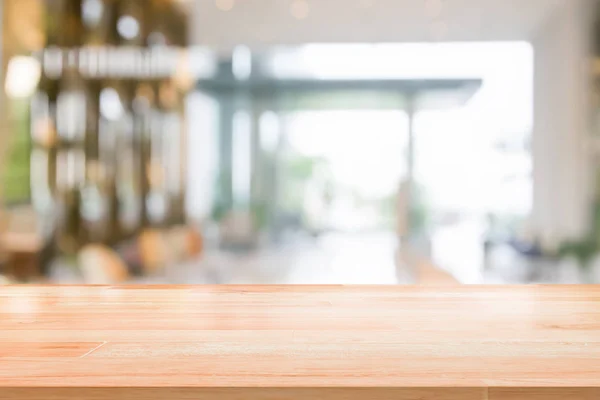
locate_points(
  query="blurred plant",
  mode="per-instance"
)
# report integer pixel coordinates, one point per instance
(582, 250)
(260, 215)
(301, 168)
(219, 211)
(418, 218)
(419, 213)
(587, 247)
(222, 204)
(297, 172)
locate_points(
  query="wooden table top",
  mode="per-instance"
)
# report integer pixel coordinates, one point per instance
(299, 336)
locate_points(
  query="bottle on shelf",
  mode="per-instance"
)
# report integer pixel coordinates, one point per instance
(172, 149)
(44, 140)
(130, 190)
(99, 22)
(145, 120)
(96, 16)
(71, 127)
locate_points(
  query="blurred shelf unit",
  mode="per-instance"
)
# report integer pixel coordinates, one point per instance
(107, 120)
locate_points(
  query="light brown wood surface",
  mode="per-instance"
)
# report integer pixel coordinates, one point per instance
(280, 342)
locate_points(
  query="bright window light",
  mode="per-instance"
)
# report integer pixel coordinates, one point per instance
(396, 60)
(22, 76)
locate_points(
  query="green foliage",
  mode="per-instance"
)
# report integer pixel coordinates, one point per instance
(221, 205)
(219, 211)
(586, 248)
(16, 174)
(260, 215)
(418, 218)
(583, 250)
(419, 212)
(297, 171)
(301, 168)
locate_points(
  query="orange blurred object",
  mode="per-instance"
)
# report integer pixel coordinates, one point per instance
(195, 242)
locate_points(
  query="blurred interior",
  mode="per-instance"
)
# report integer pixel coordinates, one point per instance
(432, 142)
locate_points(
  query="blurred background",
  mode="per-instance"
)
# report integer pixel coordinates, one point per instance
(427, 142)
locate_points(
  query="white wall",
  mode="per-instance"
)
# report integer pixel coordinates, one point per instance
(561, 158)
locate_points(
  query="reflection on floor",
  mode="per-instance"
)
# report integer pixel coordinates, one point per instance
(335, 258)
(456, 257)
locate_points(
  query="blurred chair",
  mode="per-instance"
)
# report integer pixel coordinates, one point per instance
(20, 243)
(101, 265)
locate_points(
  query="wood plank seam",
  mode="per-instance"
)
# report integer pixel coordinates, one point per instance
(94, 349)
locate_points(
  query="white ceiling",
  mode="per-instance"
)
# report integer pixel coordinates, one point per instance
(261, 23)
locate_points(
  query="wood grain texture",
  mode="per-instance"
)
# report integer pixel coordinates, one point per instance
(452, 341)
(244, 394)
